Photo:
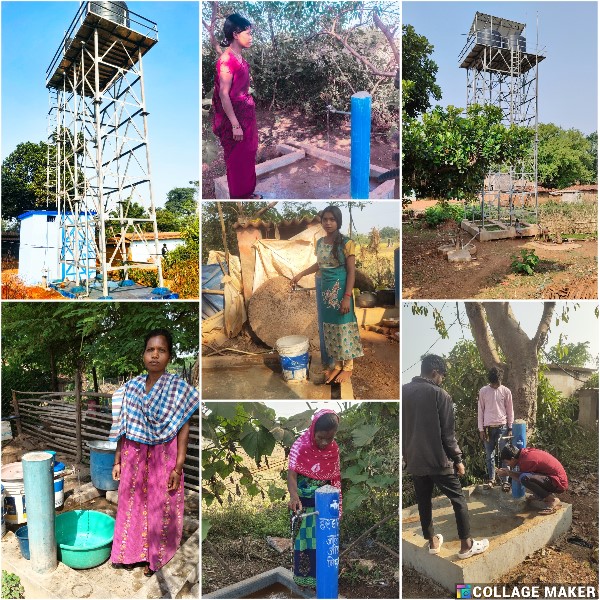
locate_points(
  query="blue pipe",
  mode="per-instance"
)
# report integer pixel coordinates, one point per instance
(38, 477)
(519, 440)
(327, 504)
(325, 360)
(360, 145)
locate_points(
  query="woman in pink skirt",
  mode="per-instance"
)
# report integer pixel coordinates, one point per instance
(151, 425)
(234, 114)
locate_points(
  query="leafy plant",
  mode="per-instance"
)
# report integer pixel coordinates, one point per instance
(442, 212)
(11, 586)
(526, 263)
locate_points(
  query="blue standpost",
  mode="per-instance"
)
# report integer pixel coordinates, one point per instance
(38, 476)
(327, 504)
(325, 360)
(360, 145)
(519, 440)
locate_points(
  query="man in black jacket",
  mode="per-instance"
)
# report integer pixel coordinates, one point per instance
(432, 454)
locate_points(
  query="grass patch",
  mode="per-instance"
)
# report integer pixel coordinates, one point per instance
(248, 517)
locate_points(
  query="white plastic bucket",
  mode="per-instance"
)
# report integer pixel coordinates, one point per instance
(14, 493)
(293, 355)
(14, 502)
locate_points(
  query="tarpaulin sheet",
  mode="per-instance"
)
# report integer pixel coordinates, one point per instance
(286, 257)
(235, 309)
(212, 279)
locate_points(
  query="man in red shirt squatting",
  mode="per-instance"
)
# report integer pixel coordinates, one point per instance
(539, 472)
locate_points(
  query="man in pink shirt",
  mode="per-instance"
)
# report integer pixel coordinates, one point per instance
(495, 417)
(539, 471)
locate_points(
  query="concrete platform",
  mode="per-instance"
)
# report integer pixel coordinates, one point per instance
(249, 378)
(304, 171)
(514, 530)
(249, 587)
(503, 231)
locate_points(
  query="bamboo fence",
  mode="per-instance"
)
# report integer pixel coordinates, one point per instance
(65, 421)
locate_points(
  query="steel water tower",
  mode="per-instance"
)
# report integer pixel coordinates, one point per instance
(98, 150)
(502, 72)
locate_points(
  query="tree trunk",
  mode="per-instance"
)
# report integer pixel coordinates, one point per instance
(495, 326)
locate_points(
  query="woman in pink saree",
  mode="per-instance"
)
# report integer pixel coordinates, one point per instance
(150, 425)
(234, 114)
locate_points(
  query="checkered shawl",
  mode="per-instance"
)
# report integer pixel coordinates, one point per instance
(156, 417)
(306, 458)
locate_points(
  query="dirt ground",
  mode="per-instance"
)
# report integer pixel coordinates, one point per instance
(377, 373)
(564, 562)
(14, 289)
(276, 127)
(247, 557)
(563, 271)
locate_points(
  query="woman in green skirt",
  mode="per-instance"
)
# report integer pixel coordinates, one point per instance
(314, 461)
(336, 263)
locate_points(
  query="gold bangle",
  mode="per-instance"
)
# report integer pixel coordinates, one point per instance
(176, 471)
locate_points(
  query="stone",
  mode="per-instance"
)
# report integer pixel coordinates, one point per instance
(86, 492)
(280, 544)
(113, 496)
(460, 255)
(274, 311)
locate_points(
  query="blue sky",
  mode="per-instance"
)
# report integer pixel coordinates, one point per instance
(568, 31)
(31, 34)
(419, 334)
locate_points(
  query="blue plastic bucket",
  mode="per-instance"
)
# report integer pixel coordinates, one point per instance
(102, 459)
(53, 456)
(293, 355)
(23, 536)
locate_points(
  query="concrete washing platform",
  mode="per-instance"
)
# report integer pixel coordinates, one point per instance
(304, 171)
(514, 530)
(248, 588)
(259, 377)
(498, 230)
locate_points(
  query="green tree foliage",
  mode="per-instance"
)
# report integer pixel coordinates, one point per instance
(182, 201)
(447, 155)
(418, 73)
(389, 232)
(52, 338)
(572, 354)
(566, 157)
(298, 59)
(368, 438)
(24, 180)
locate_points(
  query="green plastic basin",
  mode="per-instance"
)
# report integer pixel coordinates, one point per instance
(84, 538)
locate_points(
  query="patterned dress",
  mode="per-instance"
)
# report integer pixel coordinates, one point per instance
(149, 522)
(305, 544)
(240, 156)
(342, 338)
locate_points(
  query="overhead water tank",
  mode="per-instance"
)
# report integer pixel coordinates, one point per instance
(516, 42)
(489, 37)
(116, 11)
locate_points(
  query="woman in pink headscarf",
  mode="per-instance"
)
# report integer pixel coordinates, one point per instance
(314, 461)
(234, 114)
